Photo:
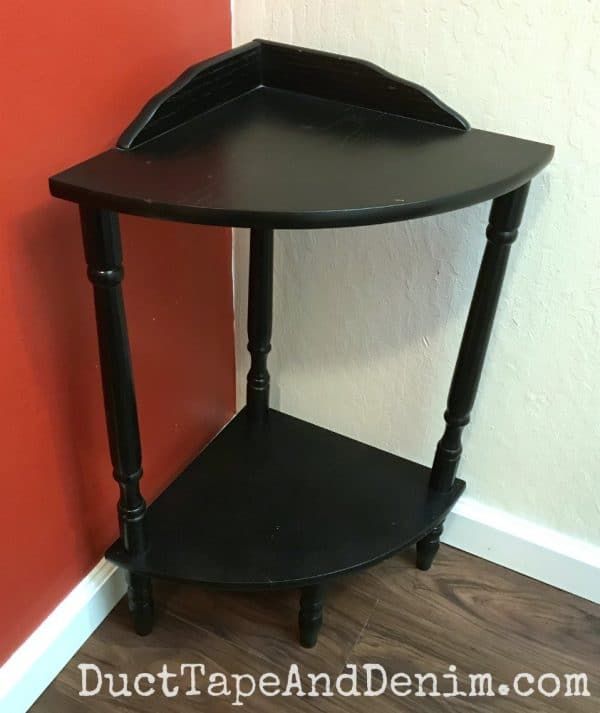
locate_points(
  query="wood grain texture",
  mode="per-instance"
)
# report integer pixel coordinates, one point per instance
(469, 612)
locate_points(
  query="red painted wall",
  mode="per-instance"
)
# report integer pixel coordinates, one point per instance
(73, 75)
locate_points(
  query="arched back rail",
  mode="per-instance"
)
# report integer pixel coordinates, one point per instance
(260, 63)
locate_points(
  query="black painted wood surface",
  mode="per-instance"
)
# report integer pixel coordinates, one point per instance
(103, 253)
(310, 616)
(502, 230)
(280, 155)
(260, 319)
(285, 504)
(274, 136)
(262, 63)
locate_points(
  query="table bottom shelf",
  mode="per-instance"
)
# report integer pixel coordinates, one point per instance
(285, 504)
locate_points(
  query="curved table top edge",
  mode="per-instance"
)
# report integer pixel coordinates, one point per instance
(337, 218)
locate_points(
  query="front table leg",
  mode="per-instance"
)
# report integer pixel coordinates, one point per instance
(310, 617)
(102, 244)
(502, 230)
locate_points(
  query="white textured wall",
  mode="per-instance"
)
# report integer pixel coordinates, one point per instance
(367, 321)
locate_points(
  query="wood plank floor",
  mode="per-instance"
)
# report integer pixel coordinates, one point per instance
(464, 611)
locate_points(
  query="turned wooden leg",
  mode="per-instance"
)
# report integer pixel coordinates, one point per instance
(102, 244)
(427, 548)
(502, 230)
(139, 599)
(310, 617)
(260, 318)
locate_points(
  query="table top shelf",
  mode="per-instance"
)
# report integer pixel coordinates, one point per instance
(285, 504)
(276, 136)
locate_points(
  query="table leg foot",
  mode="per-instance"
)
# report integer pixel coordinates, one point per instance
(310, 617)
(141, 605)
(428, 547)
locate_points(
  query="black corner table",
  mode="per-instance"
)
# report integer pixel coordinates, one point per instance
(271, 136)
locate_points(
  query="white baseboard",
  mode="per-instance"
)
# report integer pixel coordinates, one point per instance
(41, 657)
(540, 553)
